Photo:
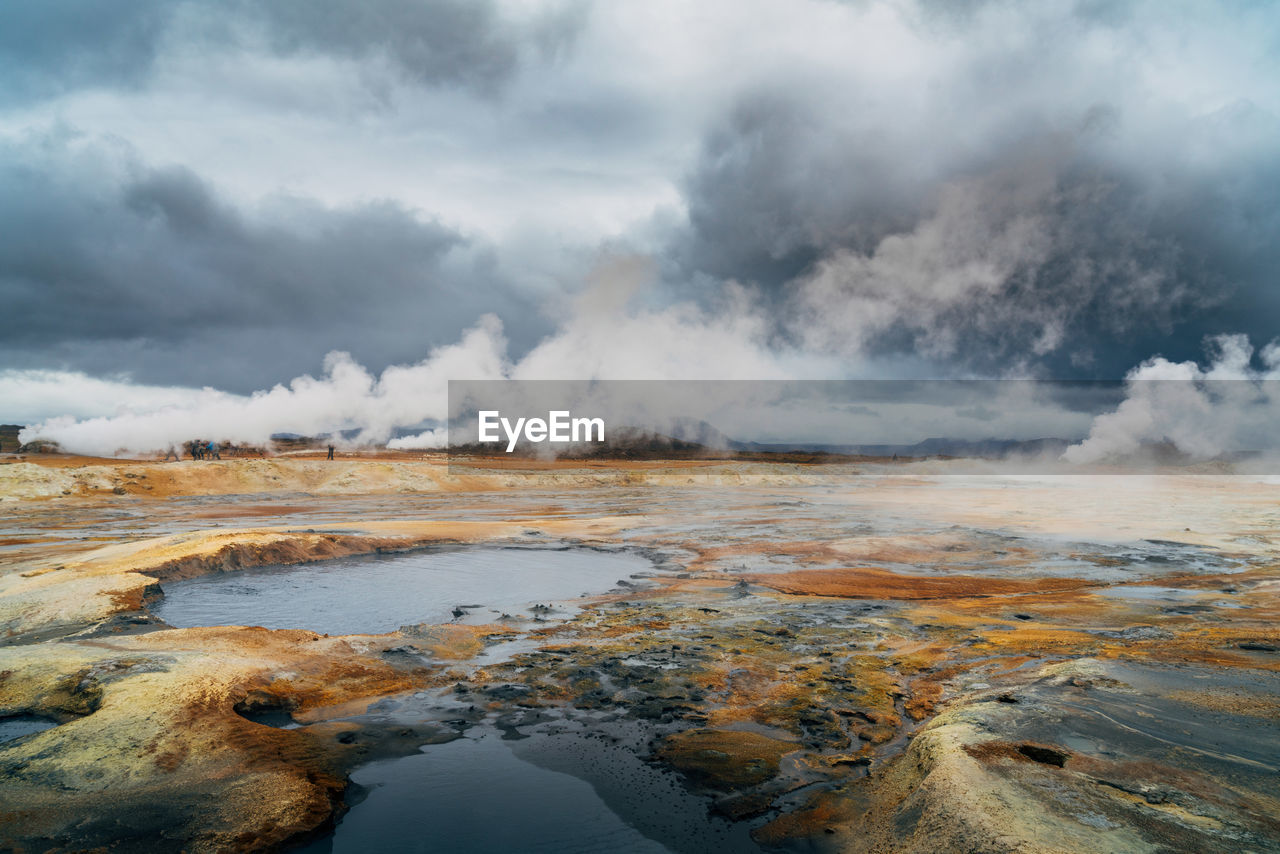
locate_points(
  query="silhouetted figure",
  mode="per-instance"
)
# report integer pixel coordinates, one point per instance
(330, 452)
(172, 453)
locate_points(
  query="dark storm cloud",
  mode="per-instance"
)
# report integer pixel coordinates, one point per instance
(905, 187)
(777, 182)
(54, 45)
(59, 45)
(107, 268)
(444, 41)
(1031, 226)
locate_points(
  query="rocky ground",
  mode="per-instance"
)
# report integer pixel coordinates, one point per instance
(840, 661)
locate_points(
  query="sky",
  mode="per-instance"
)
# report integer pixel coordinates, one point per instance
(205, 203)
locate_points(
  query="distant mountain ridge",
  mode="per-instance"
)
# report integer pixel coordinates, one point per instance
(933, 447)
(701, 433)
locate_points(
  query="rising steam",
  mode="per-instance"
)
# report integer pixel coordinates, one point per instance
(346, 396)
(1204, 413)
(602, 338)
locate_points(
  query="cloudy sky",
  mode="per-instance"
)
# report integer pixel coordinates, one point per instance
(218, 193)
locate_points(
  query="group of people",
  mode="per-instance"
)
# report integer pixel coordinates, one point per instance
(199, 449)
(207, 449)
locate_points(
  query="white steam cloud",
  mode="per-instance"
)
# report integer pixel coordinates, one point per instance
(29, 395)
(602, 338)
(1204, 413)
(345, 396)
(605, 336)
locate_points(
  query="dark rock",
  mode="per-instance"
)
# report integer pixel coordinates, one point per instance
(1044, 755)
(1258, 646)
(853, 761)
(739, 807)
(509, 692)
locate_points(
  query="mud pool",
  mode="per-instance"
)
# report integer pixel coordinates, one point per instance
(548, 792)
(19, 725)
(381, 594)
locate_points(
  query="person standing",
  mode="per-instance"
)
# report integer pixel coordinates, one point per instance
(330, 453)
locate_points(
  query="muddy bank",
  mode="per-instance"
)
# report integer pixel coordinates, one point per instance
(105, 590)
(153, 745)
(1087, 756)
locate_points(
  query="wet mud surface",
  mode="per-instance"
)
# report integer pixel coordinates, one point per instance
(857, 664)
(372, 595)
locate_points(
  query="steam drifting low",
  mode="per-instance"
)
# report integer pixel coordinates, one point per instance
(1201, 412)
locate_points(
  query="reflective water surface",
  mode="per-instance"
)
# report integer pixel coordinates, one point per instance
(381, 594)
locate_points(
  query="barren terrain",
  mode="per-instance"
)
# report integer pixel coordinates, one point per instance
(860, 660)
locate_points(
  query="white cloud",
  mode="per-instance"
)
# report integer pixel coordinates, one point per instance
(30, 395)
(1204, 412)
(346, 396)
(603, 337)
(598, 142)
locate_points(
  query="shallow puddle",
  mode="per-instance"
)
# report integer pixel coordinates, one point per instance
(374, 595)
(19, 725)
(543, 794)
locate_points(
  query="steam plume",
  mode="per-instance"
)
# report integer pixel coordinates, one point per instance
(1203, 412)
